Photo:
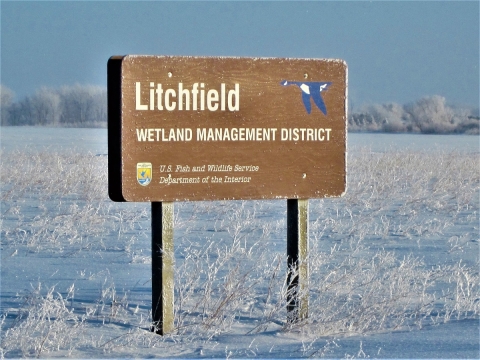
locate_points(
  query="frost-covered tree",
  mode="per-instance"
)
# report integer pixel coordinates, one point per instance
(83, 104)
(21, 113)
(6, 100)
(426, 115)
(431, 115)
(46, 107)
(389, 117)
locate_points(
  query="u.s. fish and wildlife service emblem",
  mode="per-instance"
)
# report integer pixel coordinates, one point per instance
(144, 173)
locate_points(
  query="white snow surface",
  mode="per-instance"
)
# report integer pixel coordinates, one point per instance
(394, 268)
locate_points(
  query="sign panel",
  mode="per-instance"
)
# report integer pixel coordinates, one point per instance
(224, 128)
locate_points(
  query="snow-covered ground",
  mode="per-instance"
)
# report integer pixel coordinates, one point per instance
(393, 264)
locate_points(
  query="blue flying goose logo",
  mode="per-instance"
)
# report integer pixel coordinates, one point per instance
(312, 90)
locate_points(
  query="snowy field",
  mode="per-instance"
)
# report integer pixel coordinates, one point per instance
(394, 264)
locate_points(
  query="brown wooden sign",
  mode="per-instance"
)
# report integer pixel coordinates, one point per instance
(218, 128)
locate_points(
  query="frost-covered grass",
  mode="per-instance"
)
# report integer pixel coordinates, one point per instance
(398, 252)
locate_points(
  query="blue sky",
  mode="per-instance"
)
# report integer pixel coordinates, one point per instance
(396, 51)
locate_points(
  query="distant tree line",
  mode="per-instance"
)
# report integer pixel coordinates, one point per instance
(429, 115)
(86, 106)
(69, 106)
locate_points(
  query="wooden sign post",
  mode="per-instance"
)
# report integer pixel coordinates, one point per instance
(297, 259)
(162, 267)
(226, 128)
